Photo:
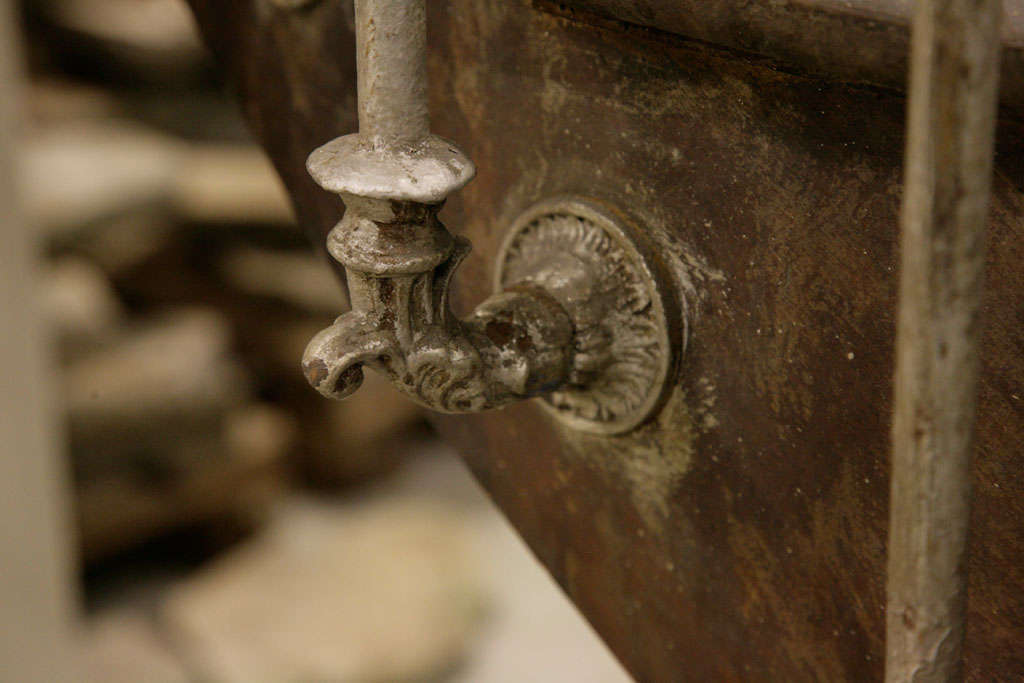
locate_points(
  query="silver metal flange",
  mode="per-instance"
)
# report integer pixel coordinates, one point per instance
(424, 170)
(590, 260)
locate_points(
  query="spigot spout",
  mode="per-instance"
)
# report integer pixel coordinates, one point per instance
(552, 327)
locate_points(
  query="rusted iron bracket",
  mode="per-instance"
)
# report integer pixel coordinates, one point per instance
(577, 317)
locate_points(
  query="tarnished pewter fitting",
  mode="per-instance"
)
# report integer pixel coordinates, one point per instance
(577, 317)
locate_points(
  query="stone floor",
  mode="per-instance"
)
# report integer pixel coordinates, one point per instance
(416, 578)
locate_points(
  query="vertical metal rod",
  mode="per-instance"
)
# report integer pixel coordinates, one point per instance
(391, 59)
(950, 130)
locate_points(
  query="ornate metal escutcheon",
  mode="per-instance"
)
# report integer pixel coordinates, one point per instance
(578, 316)
(594, 263)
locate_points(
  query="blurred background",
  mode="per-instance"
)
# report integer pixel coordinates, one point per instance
(211, 517)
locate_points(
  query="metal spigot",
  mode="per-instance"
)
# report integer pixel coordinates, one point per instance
(577, 318)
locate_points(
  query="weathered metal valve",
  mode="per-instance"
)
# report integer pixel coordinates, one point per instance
(578, 316)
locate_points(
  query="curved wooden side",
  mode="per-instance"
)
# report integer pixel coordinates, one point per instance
(860, 41)
(741, 534)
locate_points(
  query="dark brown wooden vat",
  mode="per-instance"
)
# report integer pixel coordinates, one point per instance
(741, 534)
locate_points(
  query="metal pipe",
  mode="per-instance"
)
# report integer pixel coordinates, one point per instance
(950, 131)
(391, 62)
